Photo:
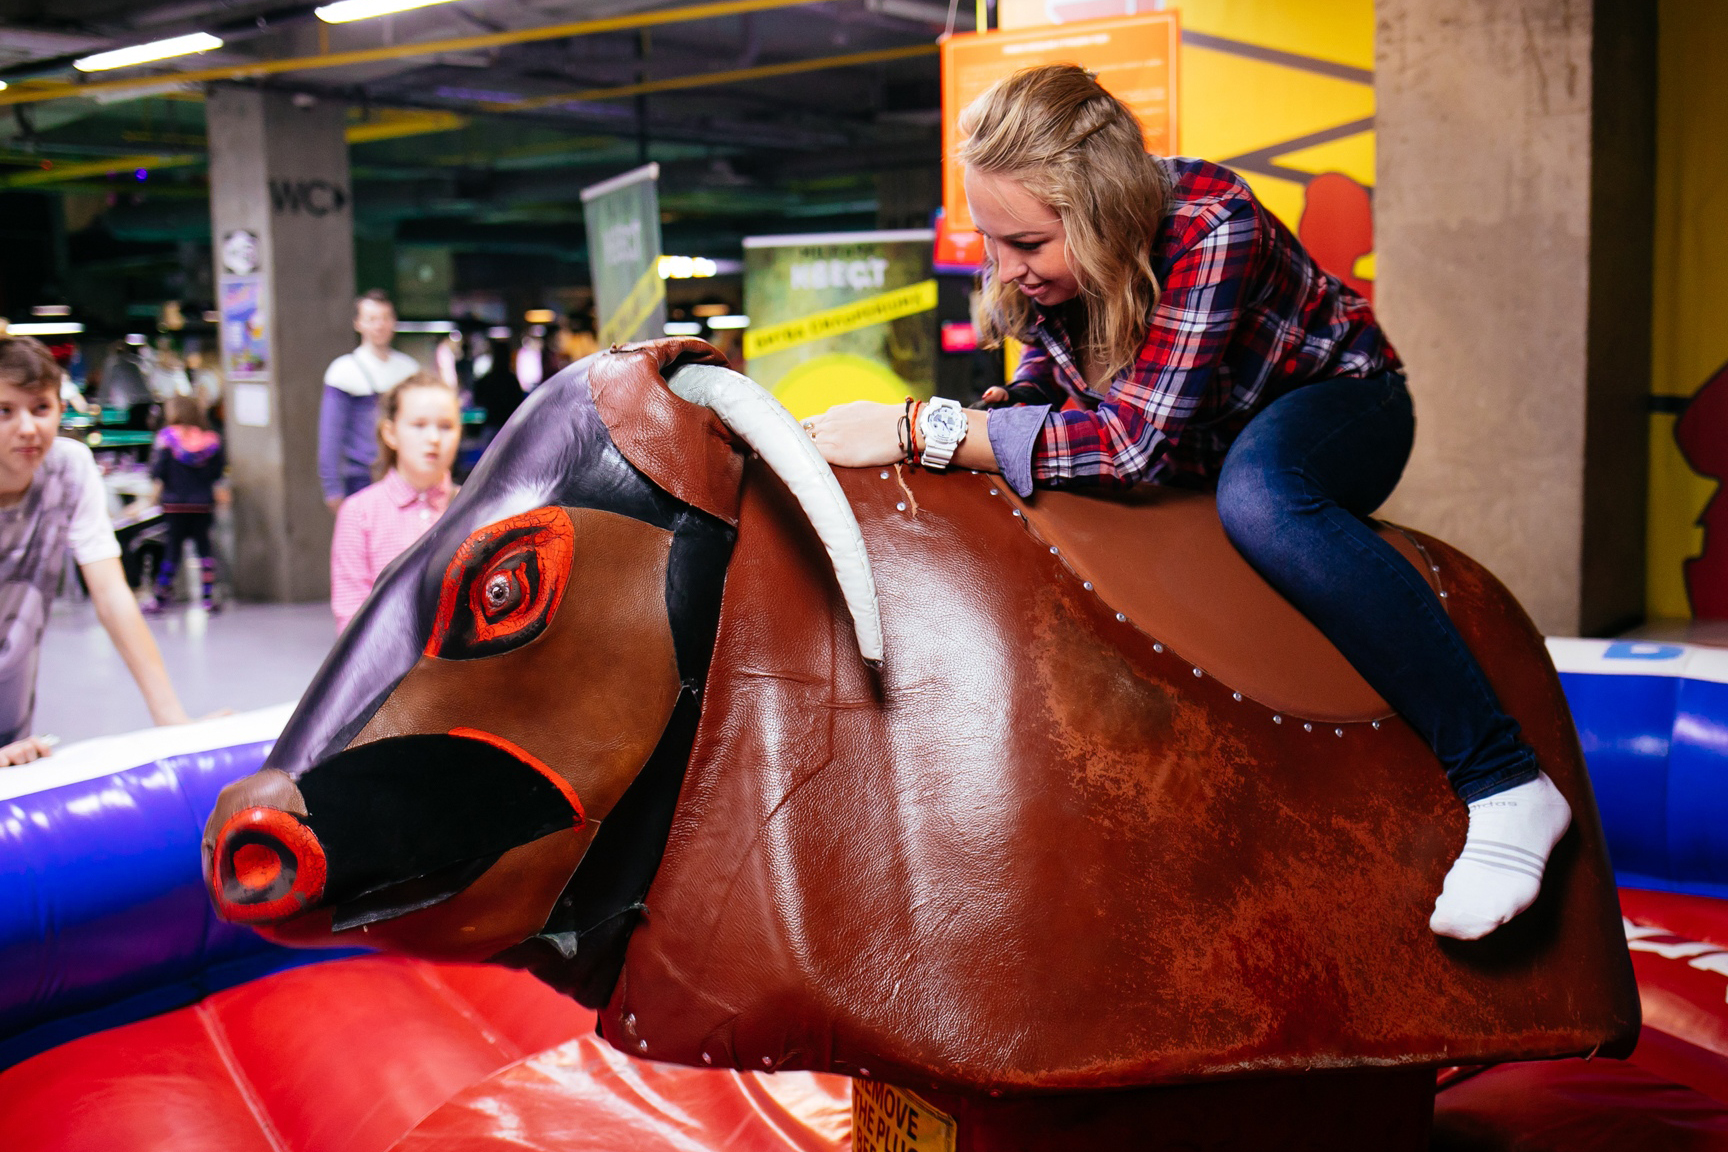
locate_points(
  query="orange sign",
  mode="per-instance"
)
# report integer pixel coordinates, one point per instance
(957, 250)
(1134, 58)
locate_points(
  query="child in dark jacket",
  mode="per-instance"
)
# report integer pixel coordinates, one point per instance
(187, 462)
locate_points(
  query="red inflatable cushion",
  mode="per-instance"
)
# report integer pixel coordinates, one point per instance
(350, 1055)
(339, 1057)
(1679, 950)
(1575, 1106)
(1673, 1093)
(376, 1053)
(586, 1096)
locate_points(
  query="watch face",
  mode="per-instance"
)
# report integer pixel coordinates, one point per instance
(948, 423)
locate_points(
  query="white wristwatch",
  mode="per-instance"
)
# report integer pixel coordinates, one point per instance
(942, 424)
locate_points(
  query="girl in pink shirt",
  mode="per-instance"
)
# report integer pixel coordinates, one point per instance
(419, 427)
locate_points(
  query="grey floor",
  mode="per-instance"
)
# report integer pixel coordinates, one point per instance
(246, 656)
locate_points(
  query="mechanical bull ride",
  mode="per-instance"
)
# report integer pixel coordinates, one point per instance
(1077, 803)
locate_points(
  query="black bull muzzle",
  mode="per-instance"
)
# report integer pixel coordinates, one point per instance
(380, 829)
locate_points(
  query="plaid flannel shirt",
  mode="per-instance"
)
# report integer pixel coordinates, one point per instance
(1245, 316)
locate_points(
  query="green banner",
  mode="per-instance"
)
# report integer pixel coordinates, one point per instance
(623, 218)
(841, 316)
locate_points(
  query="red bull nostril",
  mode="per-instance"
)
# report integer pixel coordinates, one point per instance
(269, 866)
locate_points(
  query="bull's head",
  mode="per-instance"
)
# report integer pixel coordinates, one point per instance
(492, 750)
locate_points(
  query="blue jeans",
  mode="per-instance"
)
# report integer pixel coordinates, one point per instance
(1295, 494)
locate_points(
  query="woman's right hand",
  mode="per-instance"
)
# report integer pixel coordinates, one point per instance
(858, 434)
(25, 750)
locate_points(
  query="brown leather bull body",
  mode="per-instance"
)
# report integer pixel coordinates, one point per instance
(1110, 812)
(1036, 851)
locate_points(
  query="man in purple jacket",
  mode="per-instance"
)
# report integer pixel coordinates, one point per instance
(347, 419)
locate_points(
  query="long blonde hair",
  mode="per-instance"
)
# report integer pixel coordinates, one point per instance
(1080, 150)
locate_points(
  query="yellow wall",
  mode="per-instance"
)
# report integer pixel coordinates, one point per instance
(1230, 104)
(1690, 333)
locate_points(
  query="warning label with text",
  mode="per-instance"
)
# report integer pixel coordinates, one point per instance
(890, 1119)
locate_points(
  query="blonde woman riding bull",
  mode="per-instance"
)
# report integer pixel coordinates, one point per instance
(1177, 333)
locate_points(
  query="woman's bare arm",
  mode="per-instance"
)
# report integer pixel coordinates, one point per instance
(865, 434)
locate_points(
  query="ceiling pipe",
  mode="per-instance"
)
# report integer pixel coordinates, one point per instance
(706, 79)
(34, 94)
(232, 32)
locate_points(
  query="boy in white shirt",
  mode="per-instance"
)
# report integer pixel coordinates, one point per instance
(348, 416)
(52, 500)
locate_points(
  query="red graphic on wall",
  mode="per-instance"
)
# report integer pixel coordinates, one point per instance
(1702, 433)
(1337, 227)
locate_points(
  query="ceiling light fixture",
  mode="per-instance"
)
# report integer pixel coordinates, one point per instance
(347, 11)
(683, 328)
(734, 321)
(50, 328)
(145, 53)
(686, 267)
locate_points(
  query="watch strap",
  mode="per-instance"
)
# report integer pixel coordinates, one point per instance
(937, 454)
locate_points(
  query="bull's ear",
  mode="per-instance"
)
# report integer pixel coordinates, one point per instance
(682, 447)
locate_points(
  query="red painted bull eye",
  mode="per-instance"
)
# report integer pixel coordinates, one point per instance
(503, 585)
(268, 866)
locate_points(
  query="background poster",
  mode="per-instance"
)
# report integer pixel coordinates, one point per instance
(841, 316)
(1134, 58)
(245, 336)
(623, 219)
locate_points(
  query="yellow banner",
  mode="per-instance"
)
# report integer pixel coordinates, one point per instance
(890, 1119)
(907, 301)
(645, 295)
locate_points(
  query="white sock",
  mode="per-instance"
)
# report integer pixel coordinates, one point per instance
(1499, 872)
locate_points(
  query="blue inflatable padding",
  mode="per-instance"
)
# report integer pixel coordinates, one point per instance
(1625, 725)
(1698, 784)
(103, 914)
(1653, 723)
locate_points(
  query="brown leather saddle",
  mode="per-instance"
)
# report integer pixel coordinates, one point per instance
(1160, 556)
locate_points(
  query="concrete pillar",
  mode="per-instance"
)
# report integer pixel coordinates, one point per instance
(1513, 230)
(283, 232)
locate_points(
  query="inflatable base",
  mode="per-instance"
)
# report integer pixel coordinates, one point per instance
(103, 920)
(378, 1053)
(374, 1053)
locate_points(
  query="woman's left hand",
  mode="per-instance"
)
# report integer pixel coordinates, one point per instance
(859, 434)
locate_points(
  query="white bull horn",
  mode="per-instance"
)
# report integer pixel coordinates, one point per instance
(762, 422)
